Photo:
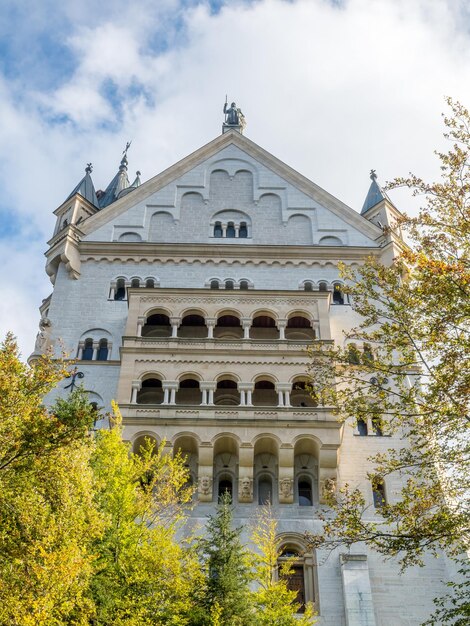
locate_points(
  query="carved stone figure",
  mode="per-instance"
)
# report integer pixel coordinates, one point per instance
(42, 337)
(246, 488)
(329, 488)
(285, 487)
(205, 485)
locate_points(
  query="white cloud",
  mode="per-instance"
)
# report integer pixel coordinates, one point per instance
(333, 91)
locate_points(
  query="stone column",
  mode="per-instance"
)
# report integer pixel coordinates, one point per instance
(112, 291)
(81, 346)
(136, 386)
(96, 345)
(210, 323)
(140, 324)
(357, 592)
(286, 474)
(169, 391)
(110, 350)
(224, 229)
(246, 390)
(208, 389)
(175, 322)
(245, 473)
(283, 389)
(237, 230)
(205, 472)
(281, 324)
(246, 325)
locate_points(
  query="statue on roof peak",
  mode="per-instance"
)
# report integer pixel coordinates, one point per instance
(233, 115)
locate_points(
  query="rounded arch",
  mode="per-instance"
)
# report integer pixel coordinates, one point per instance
(231, 312)
(307, 444)
(157, 311)
(130, 237)
(189, 376)
(264, 313)
(266, 443)
(186, 440)
(269, 377)
(226, 441)
(140, 439)
(96, 334)
(330, 241)
(193, 311)
(228, 376)
(299, 313)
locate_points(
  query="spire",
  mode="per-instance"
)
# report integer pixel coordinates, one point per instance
(86, 188)
(119, 182)
(375, 194)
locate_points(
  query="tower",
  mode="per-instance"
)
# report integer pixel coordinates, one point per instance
(191, 299)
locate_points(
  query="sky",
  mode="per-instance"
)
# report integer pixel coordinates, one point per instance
(333, 88)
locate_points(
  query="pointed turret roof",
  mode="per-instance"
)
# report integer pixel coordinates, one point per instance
(86, 188)
(375, 194)
(134, 185)
(118, 184)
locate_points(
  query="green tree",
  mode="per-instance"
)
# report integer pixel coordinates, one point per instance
(143, 575)
(416, 316)
(226, 596)
(275, 604)
(47, 514)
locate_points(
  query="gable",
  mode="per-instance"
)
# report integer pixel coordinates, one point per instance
(232, 189)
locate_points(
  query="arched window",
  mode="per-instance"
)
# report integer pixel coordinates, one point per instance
(305, 492)
(120, 293)
(87, 353)
(218, 229)
(214, 284)
(338, 296)
(243, 284)
(103, 350)
(296, 576)
(225, 485)
(378, 493)
(150, 283)
(323, 286)
(354, 357)
(229, 284)
(151, 392)
(157, 325)
(264, 394)
(230, 230)
(308, 285)
(189, 392)
(265, 490)
(135, 283)
(243, 232)
(377, 425)
(362, 427)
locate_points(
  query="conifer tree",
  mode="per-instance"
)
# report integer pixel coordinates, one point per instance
(227, 569)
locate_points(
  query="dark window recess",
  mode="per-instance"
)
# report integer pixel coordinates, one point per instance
(218, 229)
(305, 493)
(87, 353)
(103, 350)
(243, 232)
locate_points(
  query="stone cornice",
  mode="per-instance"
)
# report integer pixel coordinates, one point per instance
(216, 254)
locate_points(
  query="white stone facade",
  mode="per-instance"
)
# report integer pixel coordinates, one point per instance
(220, 373)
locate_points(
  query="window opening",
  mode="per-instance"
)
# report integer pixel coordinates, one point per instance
(150, 283)
(308, 286)
(362, 427)
(229, 284)
(230, 230)
(305, 493)
(120, 293)
(135, 283)
(265, 490)
(87, 353)
(243, 284)
(243, 232)
(103, 350)
(218, 229)
(323, 286)
(338, 297)
(214, 284)
(225, 486)
(378, 492)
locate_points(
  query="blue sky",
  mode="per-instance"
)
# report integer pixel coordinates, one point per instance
(332, 88)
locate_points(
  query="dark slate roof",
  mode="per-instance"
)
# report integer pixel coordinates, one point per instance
(116, 186)
(134, 185)
(86, 188)
(375, 194)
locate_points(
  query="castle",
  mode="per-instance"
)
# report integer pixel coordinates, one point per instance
(191, 299)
